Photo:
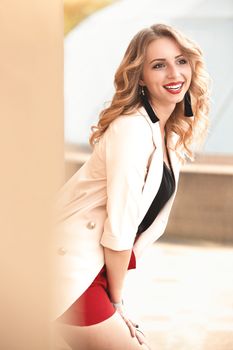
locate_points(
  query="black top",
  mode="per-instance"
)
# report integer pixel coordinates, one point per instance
(167, 186)
(166, 189)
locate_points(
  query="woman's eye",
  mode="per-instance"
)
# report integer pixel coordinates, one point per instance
(158, 65)
(182, 61)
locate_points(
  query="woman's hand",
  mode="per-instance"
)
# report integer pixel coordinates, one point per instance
(133, 327)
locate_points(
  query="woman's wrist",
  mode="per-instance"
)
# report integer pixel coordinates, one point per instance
(116, 265)
(118, 304)
(115, 295)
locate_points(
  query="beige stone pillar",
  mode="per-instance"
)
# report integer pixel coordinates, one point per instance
(31, 144)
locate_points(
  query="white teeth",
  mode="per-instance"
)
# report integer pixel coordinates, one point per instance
(173, 87)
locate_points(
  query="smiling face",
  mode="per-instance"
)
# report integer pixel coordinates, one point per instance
(166, 72)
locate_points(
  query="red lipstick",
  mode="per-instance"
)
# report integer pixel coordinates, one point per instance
(174, 87)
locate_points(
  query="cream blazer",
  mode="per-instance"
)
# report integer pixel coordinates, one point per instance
(103, 203)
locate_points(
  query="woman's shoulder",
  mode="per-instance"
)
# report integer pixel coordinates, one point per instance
(134, 122)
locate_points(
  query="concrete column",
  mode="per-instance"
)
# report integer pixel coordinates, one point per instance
(31, 144)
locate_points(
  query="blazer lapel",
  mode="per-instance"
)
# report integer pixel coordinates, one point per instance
(155, 171)
(175, 162)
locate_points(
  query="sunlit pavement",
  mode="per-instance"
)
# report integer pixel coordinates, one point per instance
(182, 295)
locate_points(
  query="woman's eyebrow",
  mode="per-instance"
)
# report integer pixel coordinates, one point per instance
(164, 59)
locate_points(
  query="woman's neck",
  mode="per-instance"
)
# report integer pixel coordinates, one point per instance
(163, 113)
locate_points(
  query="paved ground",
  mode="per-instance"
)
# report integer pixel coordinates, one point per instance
(184, 300)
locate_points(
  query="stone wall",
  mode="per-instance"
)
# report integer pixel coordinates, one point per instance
(203, 207)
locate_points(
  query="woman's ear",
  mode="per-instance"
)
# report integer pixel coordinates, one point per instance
(141, 82)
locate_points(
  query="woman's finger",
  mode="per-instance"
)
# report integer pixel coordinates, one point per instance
(131, 327)
(135, 332)
(141, 338)
(130, 324)
(134, 324)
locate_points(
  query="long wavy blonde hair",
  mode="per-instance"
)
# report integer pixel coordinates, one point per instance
(126, 100)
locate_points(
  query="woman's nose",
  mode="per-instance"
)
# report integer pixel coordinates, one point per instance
(173, 72)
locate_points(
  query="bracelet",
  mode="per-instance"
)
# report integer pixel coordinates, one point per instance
(116, 305)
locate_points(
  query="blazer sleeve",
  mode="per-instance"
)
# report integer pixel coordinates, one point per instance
(128, 145)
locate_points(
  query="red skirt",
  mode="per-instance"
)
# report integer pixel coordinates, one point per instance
(94, 305)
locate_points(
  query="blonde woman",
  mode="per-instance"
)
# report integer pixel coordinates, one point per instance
(119, 202)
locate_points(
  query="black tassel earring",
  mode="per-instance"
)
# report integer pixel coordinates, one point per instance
(188, 112)
(147, 106)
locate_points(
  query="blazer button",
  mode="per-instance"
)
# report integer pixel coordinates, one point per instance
(61, 251)
(91, 225)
